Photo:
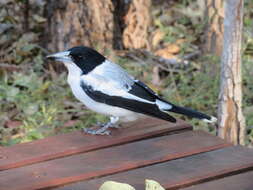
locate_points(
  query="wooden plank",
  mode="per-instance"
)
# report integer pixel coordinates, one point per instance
(76, 142)
(108, 161)
(242, 181)
(181, 172)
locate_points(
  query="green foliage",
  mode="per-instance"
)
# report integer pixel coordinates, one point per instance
(42, 106)
(28, 95)
(248, 96)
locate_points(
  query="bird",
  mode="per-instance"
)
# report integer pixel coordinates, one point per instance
(106, 88)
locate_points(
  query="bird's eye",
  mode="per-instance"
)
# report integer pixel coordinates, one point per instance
(77, 57)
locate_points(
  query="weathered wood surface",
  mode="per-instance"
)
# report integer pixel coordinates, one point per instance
(172, 154)
(236, 182)
(108, 161)
(181, 172)
(76, 142)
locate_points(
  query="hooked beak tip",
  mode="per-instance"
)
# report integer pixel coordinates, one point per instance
(50, 57)
(58, 56)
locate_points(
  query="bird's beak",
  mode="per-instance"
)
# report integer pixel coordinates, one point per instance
(60, 56)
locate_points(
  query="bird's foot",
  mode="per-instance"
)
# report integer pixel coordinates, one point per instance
(101, 131)
(99, 124)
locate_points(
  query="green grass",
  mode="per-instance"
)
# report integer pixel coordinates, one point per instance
(42, 105)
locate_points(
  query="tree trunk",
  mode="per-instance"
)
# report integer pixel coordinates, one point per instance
(137, 21)
(103, 24)
(231, 120)
(82, 22)
(214, 27)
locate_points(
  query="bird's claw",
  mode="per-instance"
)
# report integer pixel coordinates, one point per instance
(104, 126)
(99, 124)
(110, 125)
(96, 131)
(115, 126)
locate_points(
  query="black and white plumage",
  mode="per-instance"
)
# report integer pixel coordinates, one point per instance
(106, 88)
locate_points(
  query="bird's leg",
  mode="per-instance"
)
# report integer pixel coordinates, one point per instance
(103, 130)
(112, 122)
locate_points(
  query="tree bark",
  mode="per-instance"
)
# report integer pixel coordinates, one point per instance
(231, 120)
(80, 22)
(137, 21)
(103, 24)
(214, 27)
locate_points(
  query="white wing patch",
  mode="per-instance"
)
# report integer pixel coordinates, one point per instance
(115, 74)
(109, 87)
(163, 105)
(212, 120)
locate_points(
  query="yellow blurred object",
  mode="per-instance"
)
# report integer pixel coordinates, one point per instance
(153, 185)
(112, 185)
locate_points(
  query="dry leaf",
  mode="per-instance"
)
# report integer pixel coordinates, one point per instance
(169, 51)
(172, 48)
(165, 54)
(157, 37)
(180, 41)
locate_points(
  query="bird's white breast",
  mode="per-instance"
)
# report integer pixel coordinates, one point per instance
(74, 82)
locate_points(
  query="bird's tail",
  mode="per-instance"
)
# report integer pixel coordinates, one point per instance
(192, 113)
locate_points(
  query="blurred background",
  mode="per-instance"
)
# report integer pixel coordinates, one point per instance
(172, 45)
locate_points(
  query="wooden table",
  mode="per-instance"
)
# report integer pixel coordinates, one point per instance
(172, 154)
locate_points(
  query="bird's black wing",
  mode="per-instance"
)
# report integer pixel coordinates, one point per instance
(141, 90)
(130, 104)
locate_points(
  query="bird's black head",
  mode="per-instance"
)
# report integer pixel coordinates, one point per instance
(83, 57)
(86, 58)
